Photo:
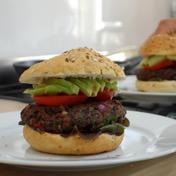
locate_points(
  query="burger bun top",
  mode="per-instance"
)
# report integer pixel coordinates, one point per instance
(160, 44)
(80, 62)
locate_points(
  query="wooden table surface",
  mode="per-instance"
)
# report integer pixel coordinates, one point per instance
(164, 166)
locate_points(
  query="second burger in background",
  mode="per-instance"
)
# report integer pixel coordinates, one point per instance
(73, 110)
(157, 69)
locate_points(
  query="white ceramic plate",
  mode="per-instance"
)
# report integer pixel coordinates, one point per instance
(129, 92)
(149, 136)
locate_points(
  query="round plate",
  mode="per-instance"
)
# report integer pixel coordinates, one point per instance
(129, 92)
(149, 136)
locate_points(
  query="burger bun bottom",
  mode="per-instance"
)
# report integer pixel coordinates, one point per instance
(156, 86)
(71, 145)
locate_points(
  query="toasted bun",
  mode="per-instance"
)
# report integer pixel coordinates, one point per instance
(72, 145)
(161, 44)
(81, 62)
(156, 86)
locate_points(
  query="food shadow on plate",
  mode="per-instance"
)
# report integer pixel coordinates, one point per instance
(33, 154)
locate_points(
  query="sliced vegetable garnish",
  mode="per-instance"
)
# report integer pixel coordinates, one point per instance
(111, 85)
(115, 128)
(57, 100)
(161, 64)
(84, 86)
(158, 61)
(105, 95)
(72, 86)
(52, 90)
(125, 122)
(152, 60)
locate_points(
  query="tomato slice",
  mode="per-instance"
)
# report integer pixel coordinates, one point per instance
(57, 100)
(162, 64)
(105, 95)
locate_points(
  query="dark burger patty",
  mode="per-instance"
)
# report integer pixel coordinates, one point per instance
(85, 118)
(162, 74)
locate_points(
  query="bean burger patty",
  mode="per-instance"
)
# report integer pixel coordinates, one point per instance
(85, 118)
(152, 75)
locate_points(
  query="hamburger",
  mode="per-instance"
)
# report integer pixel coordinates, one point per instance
(73, 111)
(157, 69)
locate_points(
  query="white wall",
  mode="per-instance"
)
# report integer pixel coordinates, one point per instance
(30, 27)
(139, 17)
(34, 27)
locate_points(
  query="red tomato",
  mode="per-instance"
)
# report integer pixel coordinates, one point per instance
(104, 95)
(162, 64)
(56, 100)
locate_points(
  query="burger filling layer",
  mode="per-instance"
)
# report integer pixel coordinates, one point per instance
(157, 68)
(91, 117)
(72, 86)
(156, 75)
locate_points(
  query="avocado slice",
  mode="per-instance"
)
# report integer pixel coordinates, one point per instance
(84, 86)
(93, 84)
(72, 88)
(111, 85)
(172, 58)
(51, 89)
(153, 60)
(102, 84)
(88, 86)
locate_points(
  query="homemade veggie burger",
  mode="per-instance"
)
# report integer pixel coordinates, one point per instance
(73, 110)
(157, 70)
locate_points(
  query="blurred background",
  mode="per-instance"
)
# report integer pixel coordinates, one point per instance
(30, 27)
